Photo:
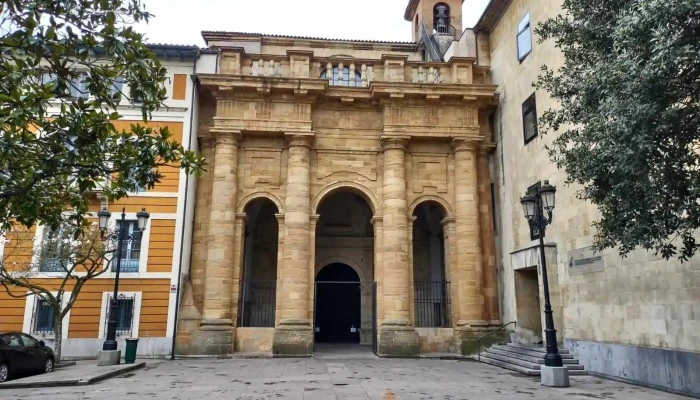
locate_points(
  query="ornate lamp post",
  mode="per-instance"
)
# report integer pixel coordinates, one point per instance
(535, 204)
(120, 236)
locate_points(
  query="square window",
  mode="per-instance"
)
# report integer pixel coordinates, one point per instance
(55, 244)
(524, 38)
(43, 317)
(131, 249)
(530, 119)
(125, 314)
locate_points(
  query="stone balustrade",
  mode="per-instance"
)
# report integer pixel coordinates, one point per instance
(353, 72)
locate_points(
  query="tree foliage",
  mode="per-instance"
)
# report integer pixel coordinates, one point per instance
(71, 260)
(629, 118)
(62, 65)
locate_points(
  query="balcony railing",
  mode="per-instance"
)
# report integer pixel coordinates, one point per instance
(432, 304)
(256, 306)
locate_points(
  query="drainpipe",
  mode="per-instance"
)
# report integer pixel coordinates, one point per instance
(184, 210)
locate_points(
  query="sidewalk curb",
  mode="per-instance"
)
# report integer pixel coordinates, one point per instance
(72, 382)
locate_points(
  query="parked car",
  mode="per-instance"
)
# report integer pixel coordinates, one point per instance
(21, 353)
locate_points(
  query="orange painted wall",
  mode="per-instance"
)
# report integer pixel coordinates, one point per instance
(162, 240)
(179, 86)
(135, 203)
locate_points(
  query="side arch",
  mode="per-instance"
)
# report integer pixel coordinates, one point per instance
(340, 260)
(446, 209)
(355, 187)
(260, 195)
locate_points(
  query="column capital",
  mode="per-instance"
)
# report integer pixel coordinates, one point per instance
(280, 218)
(376, 220)
(394, 142)
(241, 216)
(303, 139)
(486, 148)
(464, 144)
(447, 221)
(224, 135)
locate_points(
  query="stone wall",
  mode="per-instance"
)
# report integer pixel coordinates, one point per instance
(640, 300)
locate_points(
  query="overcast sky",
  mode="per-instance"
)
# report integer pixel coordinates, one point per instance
(181, 21)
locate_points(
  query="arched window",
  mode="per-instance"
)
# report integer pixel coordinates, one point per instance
(345, 79)
(441, 18)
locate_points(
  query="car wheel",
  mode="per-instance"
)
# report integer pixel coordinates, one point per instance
(4, 372)
(48, 366)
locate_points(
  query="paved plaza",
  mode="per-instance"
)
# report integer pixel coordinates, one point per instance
(325, 379)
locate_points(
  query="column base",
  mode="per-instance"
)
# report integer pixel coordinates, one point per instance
(554, 376)
(466, 338)
(293, 338)
(215, 337)
(398, 339)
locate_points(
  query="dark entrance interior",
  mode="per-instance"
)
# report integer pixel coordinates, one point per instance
(337, 314)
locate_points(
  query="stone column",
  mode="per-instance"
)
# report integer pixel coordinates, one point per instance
(280, 263)
(448, 229)
(293, 333)
(468, 278)
(313, 220)
(215, 335)
(397, 336)
(488, 244)
(238, 263)
(379, 266)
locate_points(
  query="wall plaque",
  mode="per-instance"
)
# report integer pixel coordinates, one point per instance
(584, 260)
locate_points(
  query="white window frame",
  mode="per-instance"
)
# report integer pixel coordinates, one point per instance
(135, 319)
(29, 305)
(145, 244)
(132, 226)
(524, 25)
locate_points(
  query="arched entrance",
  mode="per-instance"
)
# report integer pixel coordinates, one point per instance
(431, 294)
(257, 296)
(338, 304)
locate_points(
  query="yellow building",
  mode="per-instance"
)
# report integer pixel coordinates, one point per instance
(150, 264)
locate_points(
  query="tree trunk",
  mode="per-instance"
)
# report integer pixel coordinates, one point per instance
(58, 338)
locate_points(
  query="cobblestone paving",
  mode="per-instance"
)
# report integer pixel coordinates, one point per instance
(326, 379)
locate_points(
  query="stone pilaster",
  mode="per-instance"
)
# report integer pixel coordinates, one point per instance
(488, 244)
(238, 267)
(215, 335)
(397, 336)
(379, 266)
(468, 278)
(280, 263)
(293, 333)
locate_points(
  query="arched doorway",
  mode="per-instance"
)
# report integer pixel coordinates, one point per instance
(344, 236)
(257, 296)
(431, 294)
(338, 304)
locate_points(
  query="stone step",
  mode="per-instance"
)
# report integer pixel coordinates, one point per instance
(526, 357)
(535, 347)
(498, 363)
(513, 361)
(528, 352)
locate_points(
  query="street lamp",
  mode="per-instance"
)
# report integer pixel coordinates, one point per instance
(120, 236)
(534, 205)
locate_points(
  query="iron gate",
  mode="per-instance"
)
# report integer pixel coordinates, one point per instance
(366, 327)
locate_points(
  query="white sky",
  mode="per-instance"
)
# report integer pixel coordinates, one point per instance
(181, 21)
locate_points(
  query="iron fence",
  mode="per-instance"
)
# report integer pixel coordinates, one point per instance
(432, 304)
(256, 305)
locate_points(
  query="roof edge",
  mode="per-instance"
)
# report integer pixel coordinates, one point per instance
(208, 35)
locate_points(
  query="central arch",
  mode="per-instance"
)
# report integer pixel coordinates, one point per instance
(338, 304)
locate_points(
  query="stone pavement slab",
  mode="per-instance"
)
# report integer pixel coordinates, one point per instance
(82, 373)
(327, 379)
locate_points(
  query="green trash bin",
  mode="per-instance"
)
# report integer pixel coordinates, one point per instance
(130, 355)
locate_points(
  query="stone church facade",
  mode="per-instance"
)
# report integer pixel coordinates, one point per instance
(333, 154)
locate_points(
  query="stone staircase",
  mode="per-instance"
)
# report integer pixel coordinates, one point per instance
(526, 359)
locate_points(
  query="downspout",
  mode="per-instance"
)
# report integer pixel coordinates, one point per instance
(184, 210)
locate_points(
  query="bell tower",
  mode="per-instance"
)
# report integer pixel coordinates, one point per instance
(443, 17)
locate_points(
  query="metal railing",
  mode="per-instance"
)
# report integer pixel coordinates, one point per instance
(478, 340)
(256, 306)
(432, 304)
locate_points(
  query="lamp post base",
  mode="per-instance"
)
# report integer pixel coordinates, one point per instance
(108, 357)
(554, 376)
